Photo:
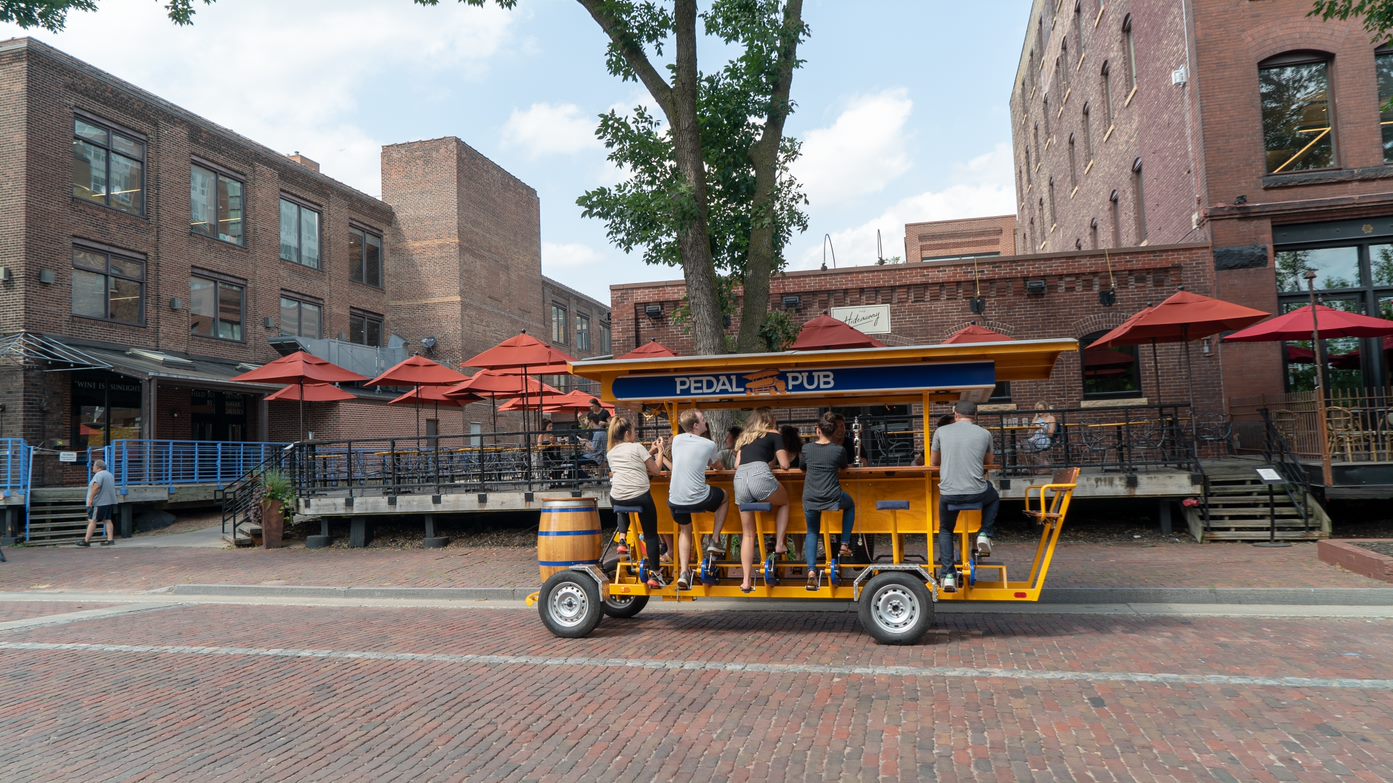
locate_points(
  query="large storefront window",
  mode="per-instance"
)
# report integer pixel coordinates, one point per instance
(1296, 127)
(1351, 275)
(1109, 373)
(105, 408)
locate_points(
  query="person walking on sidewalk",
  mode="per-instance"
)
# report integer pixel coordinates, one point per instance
(101, 503)
(962, 451)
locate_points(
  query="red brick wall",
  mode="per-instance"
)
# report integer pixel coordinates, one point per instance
(930, 301)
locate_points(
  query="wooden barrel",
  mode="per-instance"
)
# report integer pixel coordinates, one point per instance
(568, 534)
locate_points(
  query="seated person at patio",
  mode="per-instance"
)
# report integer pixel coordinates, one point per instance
(599, 419)
(547, 437)
(727, 453)
(824, 459)
(1042, 437)
(759, 445)
(630, 465)
(688, 493)
(962, 451)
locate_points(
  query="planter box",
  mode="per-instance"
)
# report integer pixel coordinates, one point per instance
(1349, 555)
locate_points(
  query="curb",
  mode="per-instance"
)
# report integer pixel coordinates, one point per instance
(1260, 596)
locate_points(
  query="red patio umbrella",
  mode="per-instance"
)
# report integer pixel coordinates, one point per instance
(419, 371)
(650, 350)
(1299, 325)
(525, 352)
(493, 385)
(576, 400)
(425, 395)
(299, 368)
(310, 392)
(1182, 317)
(973, 333)
(825, 333)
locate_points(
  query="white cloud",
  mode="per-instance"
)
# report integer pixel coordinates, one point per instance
(569, 255)
(860, 152)
(551, 129)
(289, 80)
(984, 185)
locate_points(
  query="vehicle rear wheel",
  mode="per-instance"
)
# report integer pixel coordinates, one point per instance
(621, 605)
(570, 604)
(896, 608)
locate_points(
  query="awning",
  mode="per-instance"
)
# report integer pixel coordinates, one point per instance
(176, 368)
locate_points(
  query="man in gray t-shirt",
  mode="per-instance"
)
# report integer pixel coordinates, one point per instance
(688, 493)
(962, 451)
(101, 502)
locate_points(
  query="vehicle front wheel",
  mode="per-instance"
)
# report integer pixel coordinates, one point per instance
(570, 605)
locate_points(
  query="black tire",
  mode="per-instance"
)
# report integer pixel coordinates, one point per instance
(622, 606)
(570, 605)
(896, 608)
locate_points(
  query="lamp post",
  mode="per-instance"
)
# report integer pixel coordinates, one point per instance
(1322, 425)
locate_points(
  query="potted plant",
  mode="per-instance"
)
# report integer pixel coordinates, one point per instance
(277, 495)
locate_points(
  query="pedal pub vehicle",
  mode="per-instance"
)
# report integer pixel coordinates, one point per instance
(895, 592)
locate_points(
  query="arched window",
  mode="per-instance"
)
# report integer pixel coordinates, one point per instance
(1107, 97)
(1093, 233)
(1129, 52)
(1109, 373)
(1054, 213)
(1062, 66)
(1087, 132)
(1078, 26)
(1035, 130)
(1073, 165)
(1045, 101)
(1297, 127)
(1139, 201)
(1116, 214)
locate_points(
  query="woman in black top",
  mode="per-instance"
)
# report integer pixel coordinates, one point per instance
(760, 444)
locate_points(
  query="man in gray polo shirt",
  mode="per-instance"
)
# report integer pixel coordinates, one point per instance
(101, 503)
(962, 451)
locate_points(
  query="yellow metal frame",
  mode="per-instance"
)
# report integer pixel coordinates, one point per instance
(1023, 360)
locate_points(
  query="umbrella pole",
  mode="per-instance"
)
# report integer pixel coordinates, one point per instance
(1156, 370)
(302, 409)
(1190, 383)
(417, 406)
(1327, 473)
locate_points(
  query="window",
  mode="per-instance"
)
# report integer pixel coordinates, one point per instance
(215, 205)
(1054, 213)
(1107, 100)
(1030, 233)
(1063, 67)
(108, 166)
(365, 328)
(1093, 233)
(1036, 131)
(108, 285)
(299, 234)
(1383, 66)
(1027, 162)
(1353, 276)
(1139, 201)
(1087, 133)
(1296, 126)
(1073, 164)
(1046, 103)
(300, 318)
(1078, 27)
(1129, 50)
(1115, 212)
(365, 257)
(582, 332)
(215, 308)
(558, 324)
(605, 347)
(1109, 373)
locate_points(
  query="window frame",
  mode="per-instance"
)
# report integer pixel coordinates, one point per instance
(1115, 200)
(300, 303)
(302, 206)
(1129, 49)
(1105, 74)
(1385, 116)
(1087, 340)
(583, 319)
(367, 317)
(107, 275)
(357, 272)
(1290, 60)
(1139, 202)
(563, 321)
(112, 130)
(218, 282)
(219, 173)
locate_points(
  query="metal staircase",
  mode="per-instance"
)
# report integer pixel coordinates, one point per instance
(1238, 509)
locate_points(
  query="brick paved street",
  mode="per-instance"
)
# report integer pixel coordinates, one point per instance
(1075, 565)
(234, 693)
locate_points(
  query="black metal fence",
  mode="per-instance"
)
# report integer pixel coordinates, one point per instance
(1116, 438)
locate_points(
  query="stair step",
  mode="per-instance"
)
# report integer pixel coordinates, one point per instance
(1238, 524)
(1236, 513)
(1282, 535)
(1280, 499)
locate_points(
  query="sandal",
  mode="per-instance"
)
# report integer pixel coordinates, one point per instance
(844, 553)
(654, 581)
(747, 590)
(814, 581)
(621, 550)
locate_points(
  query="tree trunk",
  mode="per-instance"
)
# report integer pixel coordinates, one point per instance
(762, 258)
(698, 270)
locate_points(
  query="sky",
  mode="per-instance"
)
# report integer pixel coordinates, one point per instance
(902, 105)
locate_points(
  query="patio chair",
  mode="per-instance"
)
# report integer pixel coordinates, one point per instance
(1216, 429)
(1347, 435)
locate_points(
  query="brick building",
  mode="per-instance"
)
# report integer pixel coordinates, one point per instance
(152, 255)
(950, 240)
(1249, 126)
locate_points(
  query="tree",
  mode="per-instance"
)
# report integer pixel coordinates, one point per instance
(708, 186)
(1377, 14)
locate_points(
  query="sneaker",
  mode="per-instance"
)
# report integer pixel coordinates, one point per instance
(714, 546)
(949, 583)
(984, 546)
(684, 582)
(622, 550)
(108, 542)
(84, 543)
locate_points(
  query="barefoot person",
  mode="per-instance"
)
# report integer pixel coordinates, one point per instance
(759, 445)
(630, 465)
(824, 459)
(101, 503)
(962, 451)
(688, 493)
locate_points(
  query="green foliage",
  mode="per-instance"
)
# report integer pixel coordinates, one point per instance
(1377, 14)
(277, 488)
(779, 330)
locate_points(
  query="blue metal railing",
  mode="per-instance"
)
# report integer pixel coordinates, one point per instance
(15, 463)
(173, 463)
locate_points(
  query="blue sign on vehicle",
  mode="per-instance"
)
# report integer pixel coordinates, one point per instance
(782, 383)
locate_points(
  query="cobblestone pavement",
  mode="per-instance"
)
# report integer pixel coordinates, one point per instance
(1075, 565)
(235, 693)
